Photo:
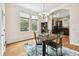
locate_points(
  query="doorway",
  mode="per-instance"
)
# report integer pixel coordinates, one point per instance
(2, 29)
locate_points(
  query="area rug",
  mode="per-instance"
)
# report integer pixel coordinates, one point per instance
(31, 51)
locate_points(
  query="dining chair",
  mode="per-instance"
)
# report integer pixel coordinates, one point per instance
(37, 41)
(56, 44)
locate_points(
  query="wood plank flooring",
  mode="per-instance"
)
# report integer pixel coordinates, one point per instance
(16, 49)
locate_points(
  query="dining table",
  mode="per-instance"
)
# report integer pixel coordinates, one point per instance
(53, 41)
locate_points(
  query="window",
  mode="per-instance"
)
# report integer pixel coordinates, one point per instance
(24, 24)
(34, 22)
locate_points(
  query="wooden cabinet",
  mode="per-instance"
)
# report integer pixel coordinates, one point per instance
(57, 27)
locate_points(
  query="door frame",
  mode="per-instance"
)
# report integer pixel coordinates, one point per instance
(2, 28)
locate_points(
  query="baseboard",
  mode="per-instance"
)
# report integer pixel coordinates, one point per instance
(19, 41)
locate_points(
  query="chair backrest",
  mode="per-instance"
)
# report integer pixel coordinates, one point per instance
(35, 37)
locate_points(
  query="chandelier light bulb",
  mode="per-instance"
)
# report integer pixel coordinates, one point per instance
(44, 12)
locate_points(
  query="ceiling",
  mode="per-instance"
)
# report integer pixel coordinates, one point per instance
(38, 7)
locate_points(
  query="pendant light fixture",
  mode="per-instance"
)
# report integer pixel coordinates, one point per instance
(43, 13)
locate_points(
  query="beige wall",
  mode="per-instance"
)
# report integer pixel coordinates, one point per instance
(74, 25)
(13, 32)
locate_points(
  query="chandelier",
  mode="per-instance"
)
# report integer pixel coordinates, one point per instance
(43, 13)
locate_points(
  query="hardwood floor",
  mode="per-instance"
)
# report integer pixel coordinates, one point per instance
(66, 43)
(16, 49)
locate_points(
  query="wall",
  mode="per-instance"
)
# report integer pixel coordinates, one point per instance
(74, 25)
(12, 24)
(73, 22)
